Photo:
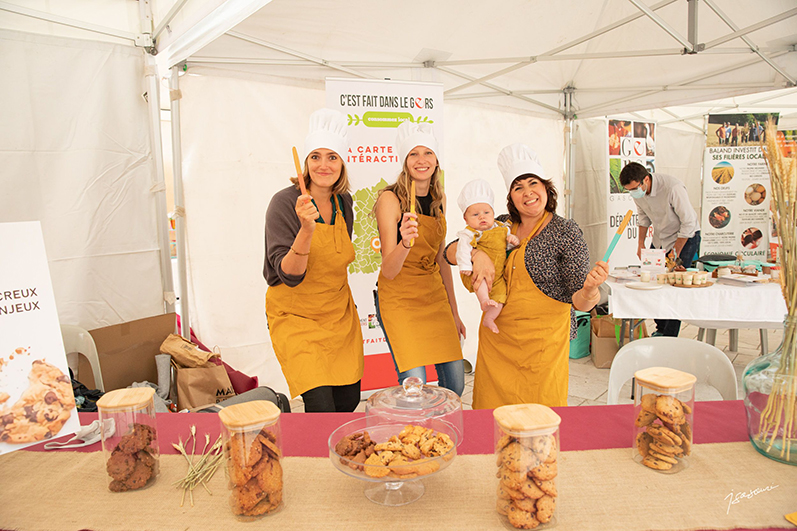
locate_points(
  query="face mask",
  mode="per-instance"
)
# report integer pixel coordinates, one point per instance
(638, 192)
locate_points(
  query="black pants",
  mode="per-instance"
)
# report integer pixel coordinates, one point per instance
(671, 327)
(332, 398)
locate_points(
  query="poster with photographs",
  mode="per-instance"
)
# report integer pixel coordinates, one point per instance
(36, 398)
(629, 141)
(736, 189)
(787, 141)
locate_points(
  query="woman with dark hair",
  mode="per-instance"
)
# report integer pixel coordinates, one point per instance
(312, 320)
(547, 276)
(415, 300)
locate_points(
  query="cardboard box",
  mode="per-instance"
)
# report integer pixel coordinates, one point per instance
(605, 331)
(127, 351)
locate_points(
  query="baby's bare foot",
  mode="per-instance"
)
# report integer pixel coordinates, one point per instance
(490, 324)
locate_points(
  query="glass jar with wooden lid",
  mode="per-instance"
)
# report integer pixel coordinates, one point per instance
(663, 411)
(253, 453)
(130, 449)
(527, 454)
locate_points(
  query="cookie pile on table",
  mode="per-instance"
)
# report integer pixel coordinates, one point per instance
(666, 435)
(527, 470)
(255, 473)
(407, 455)
(132, 462)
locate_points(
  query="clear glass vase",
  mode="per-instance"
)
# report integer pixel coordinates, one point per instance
(770, 399)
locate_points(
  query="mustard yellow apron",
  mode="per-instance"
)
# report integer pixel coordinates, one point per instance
(492, 242)
(314, 327)
(414, 305)
(528, 361)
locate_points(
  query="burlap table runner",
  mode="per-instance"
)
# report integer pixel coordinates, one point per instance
(599, 489)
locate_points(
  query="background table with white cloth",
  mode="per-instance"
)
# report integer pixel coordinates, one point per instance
(717, 306)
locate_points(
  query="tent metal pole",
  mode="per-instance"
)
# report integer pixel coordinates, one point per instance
(503, 91)
(179, 201)
(288, 51)
(64, 21)
(680, 83)
(530, 60)
(159, 184)
(663, 25)
(749, 104)
(570, 150)
(749, 43)
(752, 28)
(168, 18)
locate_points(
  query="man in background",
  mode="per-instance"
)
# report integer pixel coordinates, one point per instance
(662, 202)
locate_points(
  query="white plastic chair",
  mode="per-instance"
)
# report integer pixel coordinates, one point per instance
(708, 363)
(78, 341)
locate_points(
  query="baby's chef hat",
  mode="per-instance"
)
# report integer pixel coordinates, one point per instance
(476, 191)
(410, 134)
(328, 130)
(518, 159)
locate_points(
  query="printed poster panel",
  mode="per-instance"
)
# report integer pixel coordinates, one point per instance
(375, 108)
(787, 141)
(36, 398)
(736, 189)
(629, 141)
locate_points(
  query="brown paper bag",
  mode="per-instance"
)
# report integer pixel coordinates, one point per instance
(200, 386)
(184, 352)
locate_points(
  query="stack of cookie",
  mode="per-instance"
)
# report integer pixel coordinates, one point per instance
(131, 450)
(255, 473)
(665, 434)
(253, 454)
(134, 460)
(527, 452)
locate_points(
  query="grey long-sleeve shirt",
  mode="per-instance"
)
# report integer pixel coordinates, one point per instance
(668, 209)
(282, 226)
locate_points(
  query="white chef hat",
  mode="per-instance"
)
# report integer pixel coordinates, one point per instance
(328, 130)
(476, 191)
(518, 159)
(410, 134)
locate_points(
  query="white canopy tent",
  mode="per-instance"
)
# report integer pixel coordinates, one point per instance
(527, 71)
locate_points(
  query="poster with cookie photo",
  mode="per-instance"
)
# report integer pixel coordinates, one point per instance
(36, 398)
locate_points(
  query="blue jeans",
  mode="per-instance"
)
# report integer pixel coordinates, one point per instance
(450, 374)
(671, 327)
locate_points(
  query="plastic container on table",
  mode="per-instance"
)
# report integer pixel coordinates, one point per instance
(664, 406)
(527, 454)
(253, 453)
(130, 447)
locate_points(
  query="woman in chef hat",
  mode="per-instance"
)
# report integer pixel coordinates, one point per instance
(312, 320)
(415, 299)
(547, 276)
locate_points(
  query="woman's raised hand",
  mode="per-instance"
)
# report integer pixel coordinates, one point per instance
(596, 277)
(306, 211)
(408, 228)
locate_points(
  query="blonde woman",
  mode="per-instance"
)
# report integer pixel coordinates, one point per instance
(415, 300)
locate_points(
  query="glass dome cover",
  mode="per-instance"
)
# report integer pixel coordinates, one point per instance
(415, 403)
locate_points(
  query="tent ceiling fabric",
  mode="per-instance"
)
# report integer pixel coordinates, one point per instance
(521, 52)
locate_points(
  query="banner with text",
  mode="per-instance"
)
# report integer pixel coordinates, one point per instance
(36, 399)
(629, 141)
(736, 187)
(375, 109)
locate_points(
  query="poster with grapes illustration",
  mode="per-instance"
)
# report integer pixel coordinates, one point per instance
(374, 109)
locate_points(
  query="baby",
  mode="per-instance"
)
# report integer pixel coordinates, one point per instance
(486, 234)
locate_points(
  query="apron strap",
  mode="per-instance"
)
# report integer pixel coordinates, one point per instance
(520, 250)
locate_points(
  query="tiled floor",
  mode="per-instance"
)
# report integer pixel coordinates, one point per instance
(588, 384)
